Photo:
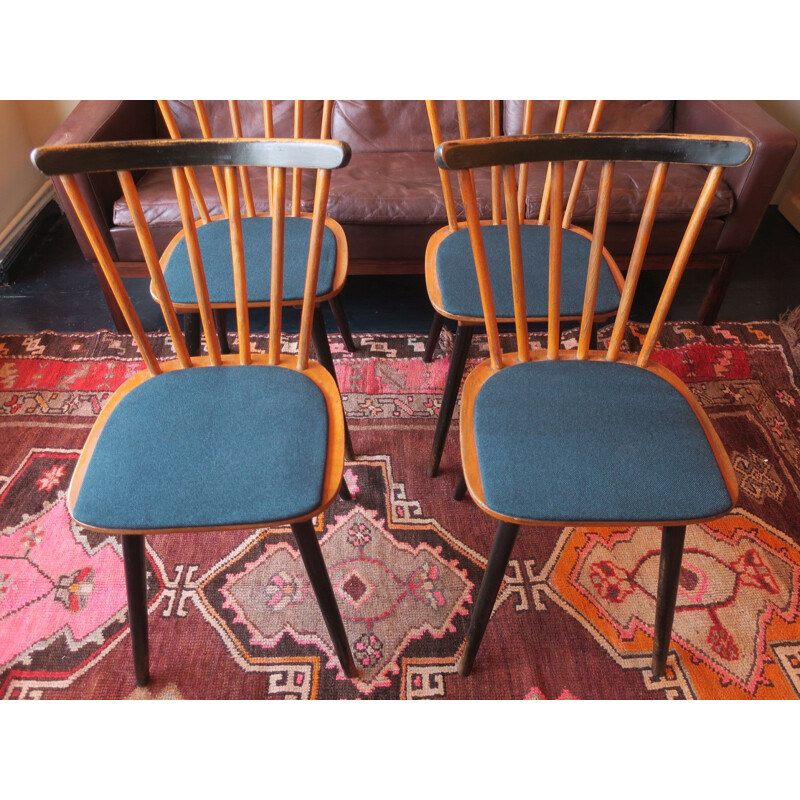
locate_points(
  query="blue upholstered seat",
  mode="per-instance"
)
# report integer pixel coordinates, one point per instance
(455, 268)
(209, 446)
(594, 441)
(215, 246)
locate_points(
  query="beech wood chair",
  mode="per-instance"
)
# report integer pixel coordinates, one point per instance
(586, 437)
(214, 242)
(450, 274)
(214, 442)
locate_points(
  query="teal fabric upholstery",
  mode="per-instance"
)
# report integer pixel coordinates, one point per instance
(593, 441)
(215, 246)
(455, 267)
(209, 446)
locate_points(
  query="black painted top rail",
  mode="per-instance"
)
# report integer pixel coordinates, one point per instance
(159, 153)
(725, 151)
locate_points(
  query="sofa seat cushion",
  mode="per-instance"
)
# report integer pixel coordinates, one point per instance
(215, 246)
(458, 280)
(209, 447)
(571, 441)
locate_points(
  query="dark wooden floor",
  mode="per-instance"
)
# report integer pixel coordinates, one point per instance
(55, 289)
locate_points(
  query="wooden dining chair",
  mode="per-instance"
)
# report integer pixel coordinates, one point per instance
(220, 441)
(212, 212)
(450, 273)
(581, 436)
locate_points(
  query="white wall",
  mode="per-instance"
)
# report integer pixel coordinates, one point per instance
(24, 124)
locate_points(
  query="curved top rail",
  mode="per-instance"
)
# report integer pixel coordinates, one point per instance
(160, 153)
(724, 151)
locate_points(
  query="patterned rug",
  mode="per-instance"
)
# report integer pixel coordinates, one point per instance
(232, 615)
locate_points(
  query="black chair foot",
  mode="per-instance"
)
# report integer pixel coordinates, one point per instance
(669, 574)
(133, 555)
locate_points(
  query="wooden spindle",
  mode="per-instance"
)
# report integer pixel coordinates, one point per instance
(496, 171)
(595, 257)
(244, 174)
(312, 268)
(276, 282)
(517, 266)
(467, 185)
(239, 271)
(679, 264)
(327, 116)
(110, 272)
(522, 189)
(554, 284)
(196, 264)
(269, 132)
(174, 132)
(154, 267)
(205, 129)
(646, 223)
(444, 175)
(580, 170)
(561, 121)
(297, 173)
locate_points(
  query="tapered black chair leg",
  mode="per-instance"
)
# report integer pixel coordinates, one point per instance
(191, 333)
(461, 488)
(323, 349)
(344, 492)
(222, 330)
(492, 579)
(433, 337)
(455, 372)
(669, 574)
(311, 554)
(337, 309)
(136, 585)
(593, 337)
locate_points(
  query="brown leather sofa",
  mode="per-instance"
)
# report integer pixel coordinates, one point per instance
(389, 199)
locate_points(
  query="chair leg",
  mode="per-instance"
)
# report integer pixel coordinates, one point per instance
(323, 348)
(669, 573)
(136, 585)
(222, 330)
(344, 492)
(455, 372)
(593, 337)
(490, 586)
(311, 554)
(337, 309)
(715, 293)
(461, 488)
(191, 333)
(433, 337)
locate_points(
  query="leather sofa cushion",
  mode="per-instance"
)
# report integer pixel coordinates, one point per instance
(251, 115)
(643, 116)
(400, 125)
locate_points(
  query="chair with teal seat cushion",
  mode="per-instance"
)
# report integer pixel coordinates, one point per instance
(584, 436)
(217, 442)
(450, 270)
(290, 119)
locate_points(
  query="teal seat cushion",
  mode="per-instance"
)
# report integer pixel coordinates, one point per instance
(458, 280)
(215, 246)
(571, 441)
(209, 447)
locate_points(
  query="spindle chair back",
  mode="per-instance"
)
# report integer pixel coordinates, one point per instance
(219, 441)
(585, 436)
(449, 276)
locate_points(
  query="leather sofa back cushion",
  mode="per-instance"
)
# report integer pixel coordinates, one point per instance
(642, 116)
(252, 117)
(400, 125)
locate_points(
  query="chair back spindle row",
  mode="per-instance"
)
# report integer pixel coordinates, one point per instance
(715, 153)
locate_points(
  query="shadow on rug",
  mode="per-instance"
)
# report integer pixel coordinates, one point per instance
(232, 615)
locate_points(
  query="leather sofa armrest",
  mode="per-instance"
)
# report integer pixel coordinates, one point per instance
(753, 183)
(102, 121)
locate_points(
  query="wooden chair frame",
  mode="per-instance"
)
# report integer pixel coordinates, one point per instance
(228, 155)
(499, 216)
(505, 152)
